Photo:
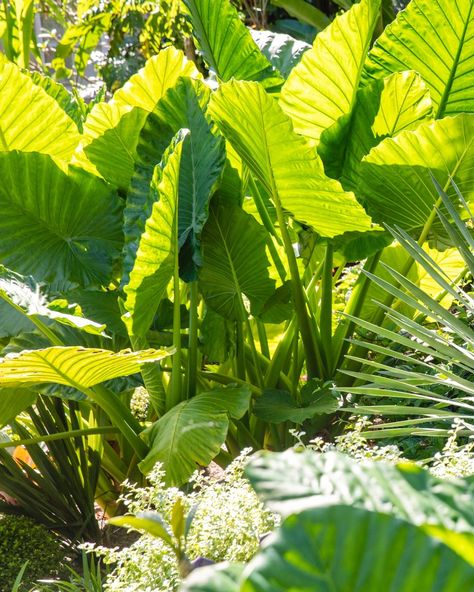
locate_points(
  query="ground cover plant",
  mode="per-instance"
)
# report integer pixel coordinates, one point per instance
(199, 263)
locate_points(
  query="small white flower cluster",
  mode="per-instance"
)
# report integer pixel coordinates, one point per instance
(452, 462)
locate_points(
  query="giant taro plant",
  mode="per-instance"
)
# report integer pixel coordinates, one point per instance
(189, 240)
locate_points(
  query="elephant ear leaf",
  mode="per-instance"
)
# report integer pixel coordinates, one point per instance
(31, 120)
(320, 548)
(227, 44)
(320, 92)
(396, 176)
(444, 61)
(157, 248)
(235, 265)
(112, 129)
(160, 73)
(185, 106)
(285, 163)
(77, 367)
(384, 109)
(55, 225)
(191, 434)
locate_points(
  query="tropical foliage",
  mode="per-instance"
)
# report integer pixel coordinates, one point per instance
(254, 234)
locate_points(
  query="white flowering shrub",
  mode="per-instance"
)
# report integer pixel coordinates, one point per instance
(228, 524)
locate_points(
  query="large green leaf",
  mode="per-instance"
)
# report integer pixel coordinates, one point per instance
(384, 109)
(235, 263)
(74, 107)
(31, 120)
(109, 142)
(13, 401)
(283, 161)
(192, 433)
(436, 39)
(55, 225)
(24, 295)
(277, 406)
(155, 258)
(78, 367)
(292, 481)
(184, 106)
(226, 43)
(320, 93)
(396, 176)
(161, 72)
(343, 548)
(112, 129)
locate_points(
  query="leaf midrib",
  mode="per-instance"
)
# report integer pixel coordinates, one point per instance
(452, 73)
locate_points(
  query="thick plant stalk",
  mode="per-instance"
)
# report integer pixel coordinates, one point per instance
(175, 384)
(325, 322)
(299, 299)
(193, 340)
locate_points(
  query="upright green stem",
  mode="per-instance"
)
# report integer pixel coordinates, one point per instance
(325, 320)
(299, 299)
(176, 381)
(240, 357)
(253, 349)
(262, 337)
(268, 223)
(193, 340)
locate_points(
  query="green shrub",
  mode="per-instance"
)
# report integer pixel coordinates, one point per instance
(21, 540)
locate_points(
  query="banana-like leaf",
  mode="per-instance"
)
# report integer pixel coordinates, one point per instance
(345, 548)
(111, 130)
(54, 225)
(287, 166)
(396, 176)
(78, 367)
(281, 50)
(436, 39)
(235, 264)
(155, 258)
(291, 481)
(384, 109)
(31, 120)
(13, 401)
(320, 92)
(227, 45)
(193, 431)
(24, 295)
